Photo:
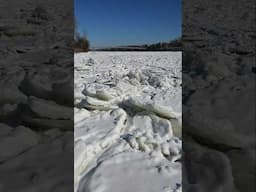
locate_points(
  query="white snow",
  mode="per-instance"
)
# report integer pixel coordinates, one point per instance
(127, 121)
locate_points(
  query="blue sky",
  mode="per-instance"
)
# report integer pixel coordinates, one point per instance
(126, 22)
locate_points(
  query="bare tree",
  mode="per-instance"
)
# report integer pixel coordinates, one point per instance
(81, 43)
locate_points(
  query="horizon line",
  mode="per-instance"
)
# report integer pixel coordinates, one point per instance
(133, 44)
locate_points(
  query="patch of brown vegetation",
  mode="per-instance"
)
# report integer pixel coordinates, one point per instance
(81, 44)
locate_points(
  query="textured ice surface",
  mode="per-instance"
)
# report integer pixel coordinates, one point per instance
(127, 121)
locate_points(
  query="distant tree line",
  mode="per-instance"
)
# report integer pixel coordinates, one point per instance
(176, 43)
(173, 45)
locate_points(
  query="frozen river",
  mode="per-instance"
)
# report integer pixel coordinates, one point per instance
(128, 121)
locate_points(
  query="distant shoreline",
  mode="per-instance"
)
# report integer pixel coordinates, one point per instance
(136, 49)
(133, 50)
(128, 51)
(174, 45)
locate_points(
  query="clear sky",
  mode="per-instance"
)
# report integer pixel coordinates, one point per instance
(126, 22)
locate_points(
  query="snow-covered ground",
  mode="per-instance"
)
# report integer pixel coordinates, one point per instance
(128, 121)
